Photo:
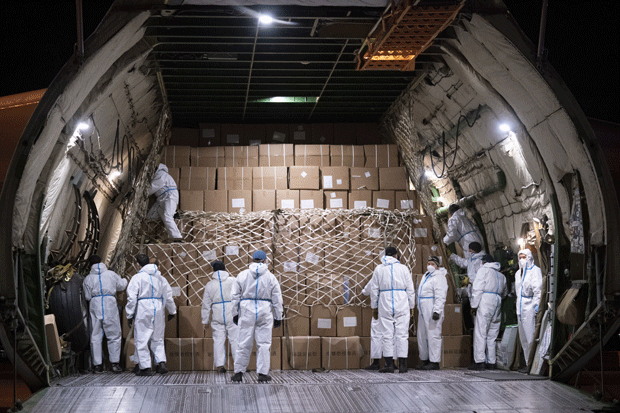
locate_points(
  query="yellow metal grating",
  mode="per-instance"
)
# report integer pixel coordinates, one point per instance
(404, 33)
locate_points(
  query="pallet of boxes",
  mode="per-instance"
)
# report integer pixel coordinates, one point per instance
(302, 204)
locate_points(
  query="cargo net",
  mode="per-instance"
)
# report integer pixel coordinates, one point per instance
(318, 256)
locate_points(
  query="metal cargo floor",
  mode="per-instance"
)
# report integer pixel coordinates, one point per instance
(303, 391)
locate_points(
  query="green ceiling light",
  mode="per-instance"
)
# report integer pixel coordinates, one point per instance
(289, 99)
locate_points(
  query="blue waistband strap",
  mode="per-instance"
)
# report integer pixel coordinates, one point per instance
(425, 297)
(221, 302)
(256, 299)
(490, 292)
(527, 296)
(392, 289)
(104, 295)
(166, 190)
(151, 298)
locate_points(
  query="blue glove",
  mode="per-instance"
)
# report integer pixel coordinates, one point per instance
(277, 323)
(236, 320)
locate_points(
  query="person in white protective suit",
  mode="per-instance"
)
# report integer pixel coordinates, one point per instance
(165, 190)
(375, 338)
(159, 330)
(217, 299)
(432, 293)
(145, 305)
(472, 261)
(486, 306)
(100, 287)
(256, 308)
(392, 298)
(528, 286)
(461, 229)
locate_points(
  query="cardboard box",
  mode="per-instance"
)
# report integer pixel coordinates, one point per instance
(185, 354)
(53, 340)
(367, 133)
(365, 360)
(274, 177)
(241, 156)
(300, 132)
(346, 155)
(263, 200)
(131, 348)
(304, 177)
(208, 157)
(311, 199)
(176, 156)
(336, 199)
(360, 199)
(456, 351)
(423, 230)
(234, 178)
(191, 200)
(197, 178)
(277, 133)
(406, 200)
(413, 357)
(365, 178)
(298, 320)
(311, 155)
(366, 319)
(393, 179)
(190, 322)
(276, 155)
(287, 199)
(381, 156)
(323, 321)
(349, 321)
(323, 133)
(232, 134)
(340, 353)
(240, 201)
(184, 137)
(335, 178)
(254, 134)
(175, 173)
(209, 134)
(216, 201)
(453, 320)
(383, 199)
(345, 133)
(172, 326)
(305, 353)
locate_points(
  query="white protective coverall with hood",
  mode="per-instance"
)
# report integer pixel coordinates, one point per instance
(462, 230)
(487, 293)
(218, 298)
(473, 262)
(393, 293)
(100, 287)
(165, 189)
(528, 286)
(432, 294)
(145, 298)
(256, 299)
(375, 333)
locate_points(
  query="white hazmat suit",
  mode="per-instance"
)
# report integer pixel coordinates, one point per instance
(165, 189)
(432, 294)
(255, 294)
(375, 333)
(528, 286)
(462, 230)
(473, 262)
(145, 299)
(392, 292)
(487, 293)
(100, 287)
(218, 298)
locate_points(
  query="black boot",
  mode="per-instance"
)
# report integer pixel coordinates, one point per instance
(490, 366)
(237, 377)
(389, 366)
(263, 378)
(221, 369)
(422, 364)
(402, 365)
(145, 372)
(116, 368)
(136, 369)
(98, 368)
(161, 368)
(476, 367)
(374, 365)
(431, 366)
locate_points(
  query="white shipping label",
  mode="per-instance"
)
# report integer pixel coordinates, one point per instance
(182, 254)
(255, 142)
(383, 203)
(324, 323)
(209, 255)
(420, 232)
(312, 258)
(359, 204)
(304, 174)
(338, 181)
(335, 203)
(238, 203)
(374, 232)
(176, 291)
(367, 174)
(279, 136)
(232, 250)
(307, 203)
(208, 133)
(356, 176)
(457, 309)
(349, 321)
(288, 204)
(299, 135)
(406, 203)
(368, 253)
(332, 195)
(327, 182)
(434, 248)
(290, 266)
(232, 138)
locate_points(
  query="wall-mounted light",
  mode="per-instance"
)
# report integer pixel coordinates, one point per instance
(265, 19)
(114, 174)
(504, 127)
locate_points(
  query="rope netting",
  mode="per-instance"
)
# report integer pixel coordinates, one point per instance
(318, 256)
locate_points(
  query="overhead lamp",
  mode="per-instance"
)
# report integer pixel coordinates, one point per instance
(114, 174)
(265, 19)
(504, 127)
(83, 126)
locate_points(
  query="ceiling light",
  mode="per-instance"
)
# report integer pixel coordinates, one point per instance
(279, 99)
(83, 126)
(114, 174)
(430, 174)
(504, 127)
(265, 19)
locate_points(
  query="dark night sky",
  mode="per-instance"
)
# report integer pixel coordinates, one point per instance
(583, 38)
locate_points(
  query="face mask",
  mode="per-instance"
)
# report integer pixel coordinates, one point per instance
(430, 268)
(522, 262)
